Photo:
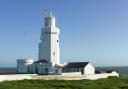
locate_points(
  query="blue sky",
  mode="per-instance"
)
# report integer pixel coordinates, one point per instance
(91, 30)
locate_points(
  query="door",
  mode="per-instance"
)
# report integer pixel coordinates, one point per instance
(46, 71)
(36, 70)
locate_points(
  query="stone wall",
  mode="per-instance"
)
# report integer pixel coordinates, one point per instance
(73, 76)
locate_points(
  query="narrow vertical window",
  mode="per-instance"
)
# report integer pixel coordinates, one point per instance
(54, 53)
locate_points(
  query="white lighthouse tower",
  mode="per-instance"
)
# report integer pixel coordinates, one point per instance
(49, 45)
(49, 51)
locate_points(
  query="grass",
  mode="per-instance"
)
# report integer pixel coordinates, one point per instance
(108, 83)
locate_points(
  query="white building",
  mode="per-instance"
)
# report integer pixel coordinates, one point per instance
(24, 65)
(85, 68)
(49, 55)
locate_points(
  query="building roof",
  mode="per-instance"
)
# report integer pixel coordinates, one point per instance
(57, 66)
(76, 65)
(41, 61)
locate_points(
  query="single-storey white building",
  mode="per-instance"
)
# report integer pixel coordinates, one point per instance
(45, 68)
(24, 66)
(85, 68)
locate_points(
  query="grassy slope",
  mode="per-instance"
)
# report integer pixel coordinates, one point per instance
(109, 83)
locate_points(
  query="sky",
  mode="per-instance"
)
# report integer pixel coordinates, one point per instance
(90, 30)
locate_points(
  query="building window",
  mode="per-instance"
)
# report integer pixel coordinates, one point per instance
(28, 69)
(69, 70)
(77, 70)
(82, 71)
(46, 24)
(66, 70)
(57, 41)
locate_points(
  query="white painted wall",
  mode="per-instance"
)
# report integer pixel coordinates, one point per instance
(15, 77)
(44, 45)
(55, 50)
(56, 70)
(71, 74)
(41, 68)
(102, 75)
(89, 69)
(23, 64)
(64, 76)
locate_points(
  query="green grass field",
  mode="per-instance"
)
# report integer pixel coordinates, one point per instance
(108, 83)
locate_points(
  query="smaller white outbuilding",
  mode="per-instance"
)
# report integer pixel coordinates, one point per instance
(24, 65)
(85, 68)
(43, 67)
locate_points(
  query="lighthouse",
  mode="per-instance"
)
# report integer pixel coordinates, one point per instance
(48, 49)
(49, 46)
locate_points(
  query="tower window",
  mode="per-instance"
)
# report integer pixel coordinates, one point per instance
(54, 53)
(57, 41)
